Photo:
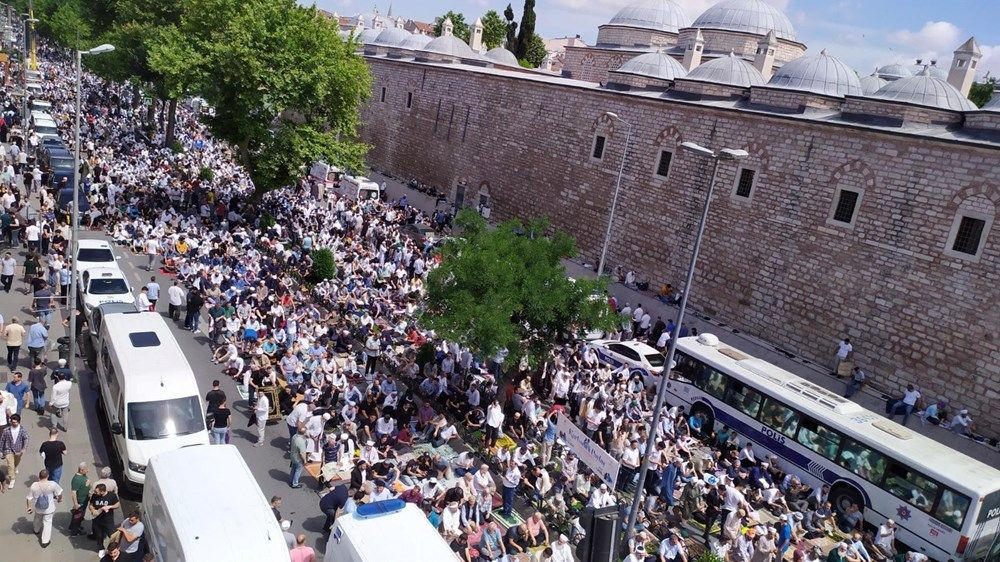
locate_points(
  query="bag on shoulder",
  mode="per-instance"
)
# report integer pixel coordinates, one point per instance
(42, 502)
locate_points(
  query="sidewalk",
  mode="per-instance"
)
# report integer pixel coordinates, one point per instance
(871, 398)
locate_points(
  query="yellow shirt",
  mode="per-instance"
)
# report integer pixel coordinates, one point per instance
(14, 334)
(182, 247)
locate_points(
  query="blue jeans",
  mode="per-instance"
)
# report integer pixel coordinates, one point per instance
(296, 472)
(508, 500)
(39, 399)
(56, 474)
(219, 435)
(904, 409)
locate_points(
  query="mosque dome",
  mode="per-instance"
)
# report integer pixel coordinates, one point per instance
(368, 36)
(499, 55)
(820, 74)
(415, 42)
(872, 83)
(932, 69)
(894, 71)
(730, 70)
(659, 15)
(993, 104)
(451, 46)
(924, 89)
(654, 65)
(749, 16)
(392, 37)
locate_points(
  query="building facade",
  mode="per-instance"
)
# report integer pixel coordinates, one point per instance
(868, 216)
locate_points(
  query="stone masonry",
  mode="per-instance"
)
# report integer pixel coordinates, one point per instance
(772, 264)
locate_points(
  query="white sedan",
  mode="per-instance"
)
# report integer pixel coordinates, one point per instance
(100, 285)
(633, 354)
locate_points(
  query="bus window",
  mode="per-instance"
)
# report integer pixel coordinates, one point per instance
(952, 508)
(744, 399)
(818, 438)
(862, 461)
(780, 417)
(715, 383)
(910, 486)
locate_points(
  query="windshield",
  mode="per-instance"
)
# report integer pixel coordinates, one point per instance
(108, 287)
(165, 418)
(655, 359)
(94, 254)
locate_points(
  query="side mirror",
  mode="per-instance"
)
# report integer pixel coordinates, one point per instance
(116, 428)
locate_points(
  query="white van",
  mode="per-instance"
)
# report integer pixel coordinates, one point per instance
(361, 536)
(202, 503)
(41, 105)
(148, 392)
(362, 187)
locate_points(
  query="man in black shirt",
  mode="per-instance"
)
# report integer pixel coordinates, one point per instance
(52, 451)
(329, 504)
(215, 396)
(102, 508)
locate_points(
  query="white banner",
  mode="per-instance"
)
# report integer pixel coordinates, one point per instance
(589, 452)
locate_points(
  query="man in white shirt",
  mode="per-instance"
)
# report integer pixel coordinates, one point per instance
(511, 480)
(261, 411)
(59, 415)
(152, 247)
(175, 296)
(561, 550)
(451, 519)
(483, 479)
(907, 405)
(672, 549)
(885, 538)
(844, 350)
(31, 234)
(41, 501)
(630, 464)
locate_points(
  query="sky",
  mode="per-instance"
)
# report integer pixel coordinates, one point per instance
(862, 33)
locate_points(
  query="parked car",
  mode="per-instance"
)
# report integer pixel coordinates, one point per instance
(632, 354)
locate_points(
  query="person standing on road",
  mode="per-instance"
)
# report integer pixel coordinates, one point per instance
(102, 508)
(175, 296)
(221, 422)
(153, 293)
(18, 388)
(297, 454)
(13, 441)
(8, 266)
(131, 531)
(38, 336)
(64, 280)
(152, 247)
(80, 488)
(42, 304)
(193, 317)
(142, 302)
(59, 412)
(52, 452)
(36, 378)
(301, 552)
(261, 410)
(14, 334)
(41, 500)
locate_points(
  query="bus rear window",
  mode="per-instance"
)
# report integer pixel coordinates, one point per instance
(952, 508)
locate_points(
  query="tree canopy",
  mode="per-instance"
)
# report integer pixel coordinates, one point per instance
(508, 15)
(460, 28)
(494, 29)
(535, 53)
(526, 33)
(507, 288)
(981, 92)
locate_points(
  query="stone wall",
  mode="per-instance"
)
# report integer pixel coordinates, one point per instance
(593, 63)
(625, 36)
(792, 99)
(986, 120)
(718, 41)
(770, 264)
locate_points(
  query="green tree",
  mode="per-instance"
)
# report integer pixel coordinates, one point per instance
(494, 29)
(496, 289)
(527, 30)
(69, 24)
(508, 15)
(284, 110)
(460, 29)
(535, 53)
(323, 266)
(981, 92)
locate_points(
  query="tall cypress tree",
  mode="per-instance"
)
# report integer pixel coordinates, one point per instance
(508, 14)
(527, 30)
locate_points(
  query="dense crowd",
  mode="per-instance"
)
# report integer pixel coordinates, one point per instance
(381, 406)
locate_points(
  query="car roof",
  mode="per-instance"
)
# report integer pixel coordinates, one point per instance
(92, 243)
(104, 271)
(636, 345)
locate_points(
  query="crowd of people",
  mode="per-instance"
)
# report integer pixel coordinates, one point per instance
(381, 406)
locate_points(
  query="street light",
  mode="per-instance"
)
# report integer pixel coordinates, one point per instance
(24, 76)
(614, 199)
(75, 227)
(661, 394)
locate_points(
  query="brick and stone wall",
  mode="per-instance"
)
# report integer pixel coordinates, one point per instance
(770, 265)
(744, 45)
(792, 99)
(592, 64)
(906, 112)
(626, 36)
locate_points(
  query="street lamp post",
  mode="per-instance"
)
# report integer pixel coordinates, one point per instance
(614, 199)
(24, 78)
(661, 394)
(75, 225)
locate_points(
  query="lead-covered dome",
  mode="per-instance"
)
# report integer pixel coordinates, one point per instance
(654, 65)
(499, 55)
(819, 74)
(749, 16)
(894, 71)
(415, 42)
(871, 84)
(924, 89)
(660, 15)
(391, 37)
(451, 46)
(368, 36)
(730, 70)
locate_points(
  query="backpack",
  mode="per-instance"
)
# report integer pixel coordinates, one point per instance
(42, 502)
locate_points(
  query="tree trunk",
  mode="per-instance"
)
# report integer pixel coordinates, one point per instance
(136, 96)
(163, 113)
(168, 137)
(151, 117)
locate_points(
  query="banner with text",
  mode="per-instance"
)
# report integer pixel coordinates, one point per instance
(589, 452)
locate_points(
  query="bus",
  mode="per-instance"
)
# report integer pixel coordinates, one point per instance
(946, 504)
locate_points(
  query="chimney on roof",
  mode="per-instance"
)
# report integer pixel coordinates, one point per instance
(447, 28)
(963, 66)
(693, 51)
(476, 36)
(764, 59)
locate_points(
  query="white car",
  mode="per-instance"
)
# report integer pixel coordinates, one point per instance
(633, 354)
(94, 253)
(101, 285)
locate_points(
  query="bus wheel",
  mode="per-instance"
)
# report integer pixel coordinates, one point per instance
(843, 495)
(706, 412)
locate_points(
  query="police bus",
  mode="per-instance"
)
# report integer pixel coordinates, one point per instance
(946, 504)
